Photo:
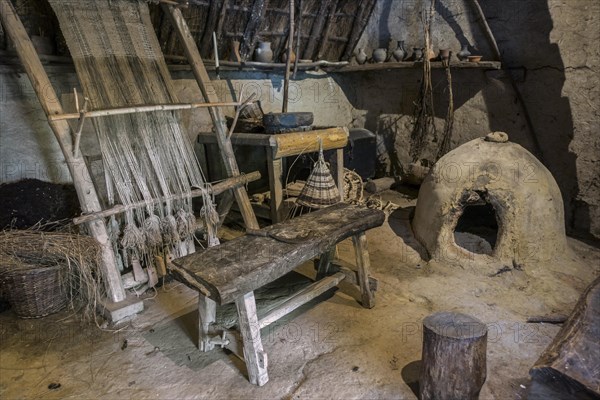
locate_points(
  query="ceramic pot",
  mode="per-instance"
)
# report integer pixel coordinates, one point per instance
(464, 53)
(263, 52)
(400, 53)
(444, 54)
(417, 54)
(284, 57)
(380, 55)
(234, 51)
(361, 57)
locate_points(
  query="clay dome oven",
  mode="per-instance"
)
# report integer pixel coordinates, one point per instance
(490, 200)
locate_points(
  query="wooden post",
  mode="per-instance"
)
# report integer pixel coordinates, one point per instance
(454, 357)
(288, 61)
(202, 78)
(325, 262)
(254, 356)
(88, 198)
(364, 264)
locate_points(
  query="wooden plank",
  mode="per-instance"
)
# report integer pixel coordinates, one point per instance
(351, 274)
(250, 37)
(254, 355)
(217, 189)
(247, 263)
(317, 27)
(203, 80)
(289, 144)
(363, 263)
(86, 192)
(207, 315)
(276, 186)
(302, 297)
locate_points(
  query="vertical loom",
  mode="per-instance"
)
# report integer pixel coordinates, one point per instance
(88, 197)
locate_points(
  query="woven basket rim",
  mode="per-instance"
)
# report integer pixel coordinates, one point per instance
(28, 268)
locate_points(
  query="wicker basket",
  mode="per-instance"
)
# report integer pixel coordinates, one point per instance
(35, 290)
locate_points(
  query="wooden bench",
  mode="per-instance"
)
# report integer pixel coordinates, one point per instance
(231, 272)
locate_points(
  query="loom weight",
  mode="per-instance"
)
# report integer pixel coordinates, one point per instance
(161, 267)
(138, 271)
(152, 276)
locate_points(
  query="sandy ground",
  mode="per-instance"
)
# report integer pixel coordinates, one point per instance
(334, 349)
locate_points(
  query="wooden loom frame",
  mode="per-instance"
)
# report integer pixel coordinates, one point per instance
(68, 139)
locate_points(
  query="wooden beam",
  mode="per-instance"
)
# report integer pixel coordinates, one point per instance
(317, 27)
(290, 144)
(302, 297)
(257, 17)
(210, 27)
(216, 190)
(86, 192)
(487, 29)
(360, 22)
(201, 75)
(327, 29)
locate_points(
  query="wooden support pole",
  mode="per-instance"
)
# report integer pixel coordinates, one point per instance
(216, 190)
(207, 315)
(487, 29)
(88, 198)
(288, 62)
(454, 357)
(201, 75)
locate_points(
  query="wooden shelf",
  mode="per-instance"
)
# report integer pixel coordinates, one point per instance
(413, 65)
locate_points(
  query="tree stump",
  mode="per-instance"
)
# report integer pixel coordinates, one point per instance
(454, 357)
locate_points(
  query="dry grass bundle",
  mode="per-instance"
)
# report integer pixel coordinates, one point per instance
(79, 254)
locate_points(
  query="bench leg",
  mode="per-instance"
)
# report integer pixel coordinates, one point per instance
(363, 264)
(207, 314)
(254, 356)
(325, 262)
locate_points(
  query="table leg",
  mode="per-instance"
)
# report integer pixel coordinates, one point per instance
(339, 179)
(275, 186)
(207, 314)
(363, 263)
(254, 356)
(325, 262)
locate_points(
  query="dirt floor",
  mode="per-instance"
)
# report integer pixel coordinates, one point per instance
(334, 349)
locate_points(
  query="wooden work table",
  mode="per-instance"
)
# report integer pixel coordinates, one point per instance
(279, 146)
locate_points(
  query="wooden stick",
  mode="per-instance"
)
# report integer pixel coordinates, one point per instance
(488, 30)
(217, 189)
(86, 192)
(286, 84)
(214, 36)
(79, 127)
(140, 109)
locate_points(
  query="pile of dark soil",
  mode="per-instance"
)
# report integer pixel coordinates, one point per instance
(31, 201)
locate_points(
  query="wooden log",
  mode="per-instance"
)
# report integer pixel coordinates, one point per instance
(379, 185)
(286, 81)
(571, 363)
(289, 144)
(216, 190)
(302, 297)
(86, 192)
(454, 357)
(203, 80)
